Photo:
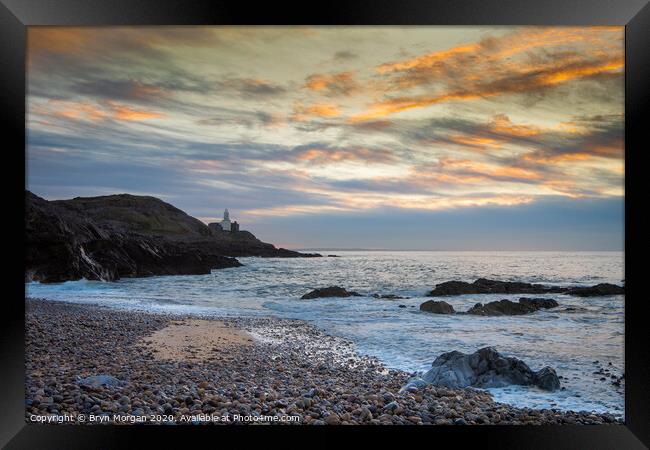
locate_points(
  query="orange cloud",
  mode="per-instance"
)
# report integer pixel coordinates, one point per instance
(475, 141)
(331, 156)
(124, 112)
(526, 81)
(91, 41)
(460, 201)
(467, 170)
(590, 151)
(427, 60)
(500, 65)
(392, 106)
(580, 72)
(58, 40)
(353, 202)
(302, 113)
(86, 111)
(520, 41)
(72, 110)
(341, 83)
(503, 125)
(144, 91)
(568, 157)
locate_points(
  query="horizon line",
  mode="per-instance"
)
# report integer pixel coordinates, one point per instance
(438, 250)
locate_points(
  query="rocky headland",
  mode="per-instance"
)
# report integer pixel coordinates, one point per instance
(118, 236)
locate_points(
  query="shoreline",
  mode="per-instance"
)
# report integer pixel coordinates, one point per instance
(186, 367)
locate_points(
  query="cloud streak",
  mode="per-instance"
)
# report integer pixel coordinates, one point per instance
(336, 84)
(501, 66)
(312, 122)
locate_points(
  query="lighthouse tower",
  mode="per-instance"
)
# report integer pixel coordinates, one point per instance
(225, 223)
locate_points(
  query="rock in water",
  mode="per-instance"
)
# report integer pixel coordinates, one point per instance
(538, 303)
(597, 290)
(437, 307)
(547, 379)
(500, 308)
(332, 291)
(487, 368)
(508, 308)
(485, 286)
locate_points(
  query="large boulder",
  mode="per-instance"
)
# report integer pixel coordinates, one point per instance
(486, 286)
(332, 291)
(437, 307)
(509, 308)
(547, 379)
(487, 368)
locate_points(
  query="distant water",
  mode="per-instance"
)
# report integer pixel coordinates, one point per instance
(406, 338)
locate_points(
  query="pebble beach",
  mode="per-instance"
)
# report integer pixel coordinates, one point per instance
(107, 365)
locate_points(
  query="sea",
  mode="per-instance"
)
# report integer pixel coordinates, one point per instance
(576, 339)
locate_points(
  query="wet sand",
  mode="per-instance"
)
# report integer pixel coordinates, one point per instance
(194, 339)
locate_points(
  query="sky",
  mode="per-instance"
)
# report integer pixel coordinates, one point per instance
(415, 138)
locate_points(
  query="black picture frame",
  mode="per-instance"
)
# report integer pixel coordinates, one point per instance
(16, 15)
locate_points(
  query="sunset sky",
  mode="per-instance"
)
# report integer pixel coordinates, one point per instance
(450, 138)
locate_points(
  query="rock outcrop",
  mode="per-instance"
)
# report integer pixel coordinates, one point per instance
(487, 368)
(118, 236)
(597, 290)
(539, 303)
(332, 291)
(485, 286)
(509, 308)
(437, 307)
(496, 308)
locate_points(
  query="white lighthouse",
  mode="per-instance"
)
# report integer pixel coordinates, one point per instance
(225, 223)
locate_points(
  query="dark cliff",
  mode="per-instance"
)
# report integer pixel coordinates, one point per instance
(116, 236)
